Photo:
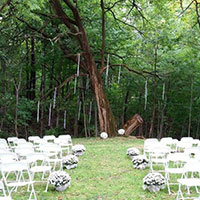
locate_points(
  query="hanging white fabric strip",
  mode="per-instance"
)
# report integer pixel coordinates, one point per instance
(119, 74)
(49, 122)
(163, 93)
(90, 112)
(107, 69)
(54, 98)
(75, 83)
(79, 110)
(64, 125)
(146, 94)
(38, 111)
(78, 65)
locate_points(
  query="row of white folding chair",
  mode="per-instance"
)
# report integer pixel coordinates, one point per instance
(17, 174)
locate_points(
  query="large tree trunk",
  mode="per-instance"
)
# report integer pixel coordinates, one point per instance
(132, 124)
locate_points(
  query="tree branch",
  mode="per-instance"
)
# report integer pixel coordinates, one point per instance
(130, 70)
(186, 8)
(34, 29)
(113, 14)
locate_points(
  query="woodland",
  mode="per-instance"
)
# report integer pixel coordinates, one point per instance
(85, 66)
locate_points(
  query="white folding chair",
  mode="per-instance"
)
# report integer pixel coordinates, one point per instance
(158, 157)
(64, 144)
(54, 152)
(175, 164)
(16, 175)
(189, 179)
(39, 166)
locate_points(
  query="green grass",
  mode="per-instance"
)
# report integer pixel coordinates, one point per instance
(104, 172)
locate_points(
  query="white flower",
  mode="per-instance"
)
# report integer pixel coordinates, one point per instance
(70, 161)
(78, 149)
(104, 135)
(154, 182)
(121, 131)
(59, 178)
(132, 152)
(139, 162)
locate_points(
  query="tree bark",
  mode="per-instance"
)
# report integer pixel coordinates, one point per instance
(132, 124)
(33, 71)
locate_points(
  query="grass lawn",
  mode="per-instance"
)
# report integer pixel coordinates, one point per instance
(104, 172)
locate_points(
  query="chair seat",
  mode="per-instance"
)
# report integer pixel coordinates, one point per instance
(40, 169)
(5, 198)
(18, 184)
(174, 170)
(159, 160)
(189, 181)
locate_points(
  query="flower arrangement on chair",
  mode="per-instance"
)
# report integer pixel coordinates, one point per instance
(131, 152)
(154, 182)
(78, 150)
(60, 180)
(70, 161)
(140, 162)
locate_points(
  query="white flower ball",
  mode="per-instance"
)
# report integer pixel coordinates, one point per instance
(121, 131)
(104, 135)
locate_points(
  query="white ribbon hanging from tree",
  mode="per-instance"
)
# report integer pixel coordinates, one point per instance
(38, 111)
(79, 110)
(107, 69)
(49, 122)
(64, 125)
(77, 71)
(90, 112)
(163, 93)
(119, 74)
(146, 94)
(54, 98)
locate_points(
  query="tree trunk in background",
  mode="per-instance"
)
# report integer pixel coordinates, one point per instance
(28, 81)
(190, 110)
(42, 93)
(96, 118)
(76, 118)
(3, 89)
(154, 96)
(33, 70)
(123, 117)
(132, 124)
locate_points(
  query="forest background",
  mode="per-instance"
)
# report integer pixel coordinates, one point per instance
(134, 57)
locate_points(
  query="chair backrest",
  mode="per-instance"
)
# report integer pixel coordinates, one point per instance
(19, 141)
(65, 137)
(25, 145)
(49, 137)
(193, 165)
(8, 157)
(32, 138)
(187, 139)
(22, 152)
